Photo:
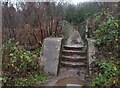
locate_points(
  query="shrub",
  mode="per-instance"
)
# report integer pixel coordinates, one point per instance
(19, 59)
(19, 63)
(108, 75)
(107, 35)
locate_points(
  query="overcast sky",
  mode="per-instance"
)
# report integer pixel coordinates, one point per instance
(71, 1)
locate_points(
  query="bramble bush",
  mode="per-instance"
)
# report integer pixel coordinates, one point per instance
(19, 63)
(107, 34)
(107, 38)
(108, 75)
(19, 60)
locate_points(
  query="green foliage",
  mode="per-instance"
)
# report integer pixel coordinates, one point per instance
(19, 59)
(107, 33)
(78, 14)
(29, 80)
(107, 76)
(20, 66)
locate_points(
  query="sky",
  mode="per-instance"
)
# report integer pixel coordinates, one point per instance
(71, 1)
(78, 1)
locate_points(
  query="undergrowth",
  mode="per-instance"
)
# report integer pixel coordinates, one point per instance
(107, 64)
(20, 66)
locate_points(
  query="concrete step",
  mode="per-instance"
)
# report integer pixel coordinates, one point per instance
(74, 69)
(72, 52)
(73, 47)
(73, 58)
(73, 64)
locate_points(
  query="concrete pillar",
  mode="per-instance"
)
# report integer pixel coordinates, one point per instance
(90, 52)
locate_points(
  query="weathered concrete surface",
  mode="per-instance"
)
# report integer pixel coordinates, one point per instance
(73, 85)
(82, 30)
(91, 51)
(67, 29)
(51, 54)
(66, 76)
(75, 38)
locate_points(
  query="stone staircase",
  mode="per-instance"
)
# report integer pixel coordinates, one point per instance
(73, 67)
(73, 57)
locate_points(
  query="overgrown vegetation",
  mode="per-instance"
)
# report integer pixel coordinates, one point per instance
(79, 13)
(107, 65)
(107, 33)
(20, 65)
(29, 80)
(108, 74)
(26, 26)
(29, 23)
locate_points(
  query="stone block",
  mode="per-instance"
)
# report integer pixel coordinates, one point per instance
(51, 54)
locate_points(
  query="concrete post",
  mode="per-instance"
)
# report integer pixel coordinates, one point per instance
(90, 52)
